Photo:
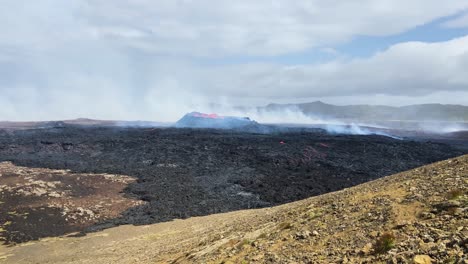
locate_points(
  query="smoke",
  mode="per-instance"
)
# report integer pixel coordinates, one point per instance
(293, 117)
(352, 129)
(442, 127)
(290, 115)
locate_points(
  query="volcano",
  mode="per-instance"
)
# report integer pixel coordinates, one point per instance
(201, 120)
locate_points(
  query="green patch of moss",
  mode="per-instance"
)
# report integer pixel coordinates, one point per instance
(384, 243)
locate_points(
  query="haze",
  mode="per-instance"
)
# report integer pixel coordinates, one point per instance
(157, 60)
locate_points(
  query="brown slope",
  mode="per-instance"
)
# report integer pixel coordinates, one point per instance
(424, 209)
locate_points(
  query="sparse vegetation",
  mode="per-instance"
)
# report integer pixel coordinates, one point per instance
(454, 194)
(452, 210)
(232, 242)
(384, 243)
(451, 260)
(243, 243)
(314, 214)
(285, 225)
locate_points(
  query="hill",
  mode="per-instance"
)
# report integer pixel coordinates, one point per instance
(79, 122)
(424, 112)
(418, 216)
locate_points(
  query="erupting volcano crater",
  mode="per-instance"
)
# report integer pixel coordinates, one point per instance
(201, 120)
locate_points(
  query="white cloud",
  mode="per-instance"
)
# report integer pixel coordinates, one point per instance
(141, 59)
(459, 22)
(164, 90)
(409, 69)
(207, 28)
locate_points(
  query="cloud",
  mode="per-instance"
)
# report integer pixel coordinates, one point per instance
(146, 59)
(458, 22)
(211, 28)
(164, 90)
(410, 69)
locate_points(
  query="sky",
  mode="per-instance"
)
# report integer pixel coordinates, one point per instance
(158, 59)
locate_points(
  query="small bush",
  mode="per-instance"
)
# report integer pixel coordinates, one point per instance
(450, 260)
(232, 243)
(384, 243)
(314, 214)
(454, 194)
(452, 210)
(244, 243)
(285, 225)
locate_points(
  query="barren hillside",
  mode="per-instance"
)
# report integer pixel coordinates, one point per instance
(418, 216)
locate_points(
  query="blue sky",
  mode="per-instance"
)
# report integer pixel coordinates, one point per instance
(435, 31)
(360, 46)
(157, 59)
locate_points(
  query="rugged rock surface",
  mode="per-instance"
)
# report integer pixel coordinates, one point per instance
(42, 202)
(418, 216)
(182, 173)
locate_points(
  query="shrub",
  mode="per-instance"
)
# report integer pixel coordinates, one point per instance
(454, 194)
(244, 243)
(285, 225)
(314, 214)
(384, 243)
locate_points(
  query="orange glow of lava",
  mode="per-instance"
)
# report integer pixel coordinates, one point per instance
(211, 116)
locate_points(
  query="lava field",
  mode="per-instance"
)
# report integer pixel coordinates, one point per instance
(55, 181)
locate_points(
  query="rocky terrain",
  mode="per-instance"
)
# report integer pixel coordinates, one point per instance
(85, 178)
(418, 216)
(39, 202)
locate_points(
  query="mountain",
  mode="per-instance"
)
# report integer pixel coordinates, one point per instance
(78, 122)
(423, 112)
(418, 216)
(201, 120)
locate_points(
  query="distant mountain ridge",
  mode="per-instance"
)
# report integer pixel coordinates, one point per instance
(421, 112)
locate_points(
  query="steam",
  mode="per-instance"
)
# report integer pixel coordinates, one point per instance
(292, 116)
(442, 127)
(351, 129)
(354, 129)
